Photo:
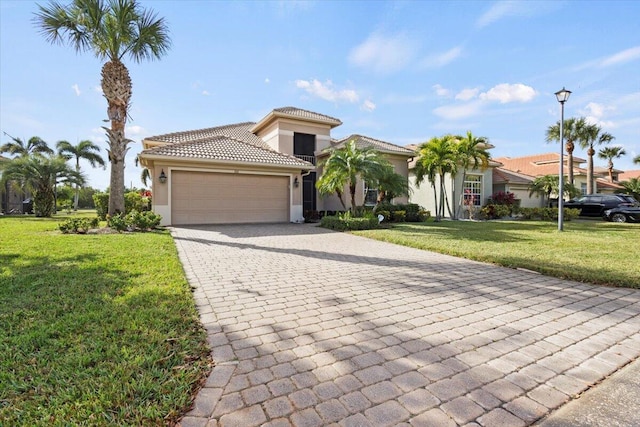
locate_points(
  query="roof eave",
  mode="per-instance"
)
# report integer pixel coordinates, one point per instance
(274, 115)
(145, 157)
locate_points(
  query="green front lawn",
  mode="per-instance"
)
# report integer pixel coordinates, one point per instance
(587, 250)
(94, 329)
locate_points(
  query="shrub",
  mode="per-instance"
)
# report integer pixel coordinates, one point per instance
(548, 214)
(345, 221)
(413, 212)
(399, 216)
(385, 214)
(117, 222)
(78, 225)
(492, 211)
(502, 198)
(134, 220)
(101, 201)
(133, 201)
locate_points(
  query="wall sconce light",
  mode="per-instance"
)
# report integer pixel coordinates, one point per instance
(296, 183)
(162, 178)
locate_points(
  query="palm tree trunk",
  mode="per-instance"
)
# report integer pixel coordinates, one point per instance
(116, 86)
(461, 198)
(352, 191)
(610, 167)
(76, 197)
(590, 153)
(570, 147)
(435, 199)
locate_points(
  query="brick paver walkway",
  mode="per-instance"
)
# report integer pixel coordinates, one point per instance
(310, 328)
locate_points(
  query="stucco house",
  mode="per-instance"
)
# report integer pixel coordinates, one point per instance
(517, 173)
(249, 172)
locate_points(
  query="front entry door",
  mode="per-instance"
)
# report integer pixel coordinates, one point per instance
(309, 192)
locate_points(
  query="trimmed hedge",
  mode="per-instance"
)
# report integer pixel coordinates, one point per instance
(346, 222)
(411, 212)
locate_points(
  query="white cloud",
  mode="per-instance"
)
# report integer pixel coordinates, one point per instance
(206, 93)
(135, 130)
(368, 105)
(621, 57)
(594, 113)
(458, 111)
(505, 93)
(383, 54)
(467, 94)
(442, 59)
(440, 91)
(76, 89)
(326, 91)
(267, 81)
(508, 8)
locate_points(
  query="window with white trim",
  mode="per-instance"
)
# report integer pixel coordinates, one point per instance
(473, 190)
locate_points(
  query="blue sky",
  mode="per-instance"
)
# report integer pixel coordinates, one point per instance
(399, 71)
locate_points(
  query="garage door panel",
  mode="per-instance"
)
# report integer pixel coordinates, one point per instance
(218, 198)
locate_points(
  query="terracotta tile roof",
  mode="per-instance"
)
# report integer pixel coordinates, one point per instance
(238, 131)
(538, 164)
(382, 146)
(627, 175)
(604, 183)
(503, 176)
(224, 148)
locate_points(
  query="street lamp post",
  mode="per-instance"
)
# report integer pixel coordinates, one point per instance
(562, 96)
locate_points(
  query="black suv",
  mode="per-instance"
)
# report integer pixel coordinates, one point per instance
(596, 204)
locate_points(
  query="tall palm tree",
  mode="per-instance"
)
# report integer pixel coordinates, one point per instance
(86, 150)
(611, 153)
(592, 135)
(437, 158)
(572, 131)
(345, 165)
(636, 160)
(40, 173)
(472, 154)
(18, 147)
(111, 30)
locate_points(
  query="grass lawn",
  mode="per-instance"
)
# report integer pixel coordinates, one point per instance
(94, 329)
(587, 250)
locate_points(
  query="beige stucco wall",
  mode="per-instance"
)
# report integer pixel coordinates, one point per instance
(279, 134)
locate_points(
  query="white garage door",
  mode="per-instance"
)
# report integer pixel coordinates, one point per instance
(225, 198)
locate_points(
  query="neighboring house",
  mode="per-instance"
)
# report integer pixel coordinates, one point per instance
(517, 183)
(11, 198)
(627, 175)
(246, 172)
(533, 166)
(478, 184)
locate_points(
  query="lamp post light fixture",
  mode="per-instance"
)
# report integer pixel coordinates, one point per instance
(562, 96)
(163, 177)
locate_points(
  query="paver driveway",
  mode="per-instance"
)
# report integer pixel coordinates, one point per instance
(310, 327)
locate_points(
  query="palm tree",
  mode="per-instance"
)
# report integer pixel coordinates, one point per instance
(591, 136)
(437, 158)
(633, 187)
(390, 184)
(84, 150)
(572, 131)
(636, 160)
(19, 148)
(40, 173)
(111, 30)
(544, 186)
(472, 154)
(611, 153)
(345, 165)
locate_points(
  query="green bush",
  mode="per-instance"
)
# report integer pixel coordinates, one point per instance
(118, 222)
(548, 214)
(493, 211)
(413, 212)
(134, 220)
(101, 201)
(133, 201)
(399, 216)
(385, 214)
(344, 222)
(78, 225)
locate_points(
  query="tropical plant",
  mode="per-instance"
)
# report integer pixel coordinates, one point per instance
(20, 148)
(544, 186)
(86, 150)
(110, 30)
(40, 174)
(633, 187)
(390, 184)
(636, 160)
(592, 135)
(145, 175)
(345, 165)
(572, 131)
(437, 158)
(472, 154)
(611, 153)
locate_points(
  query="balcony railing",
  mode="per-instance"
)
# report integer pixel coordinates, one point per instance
(310, 159)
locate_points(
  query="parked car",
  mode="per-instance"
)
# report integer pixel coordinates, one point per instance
(623, 214)
(596, 204)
